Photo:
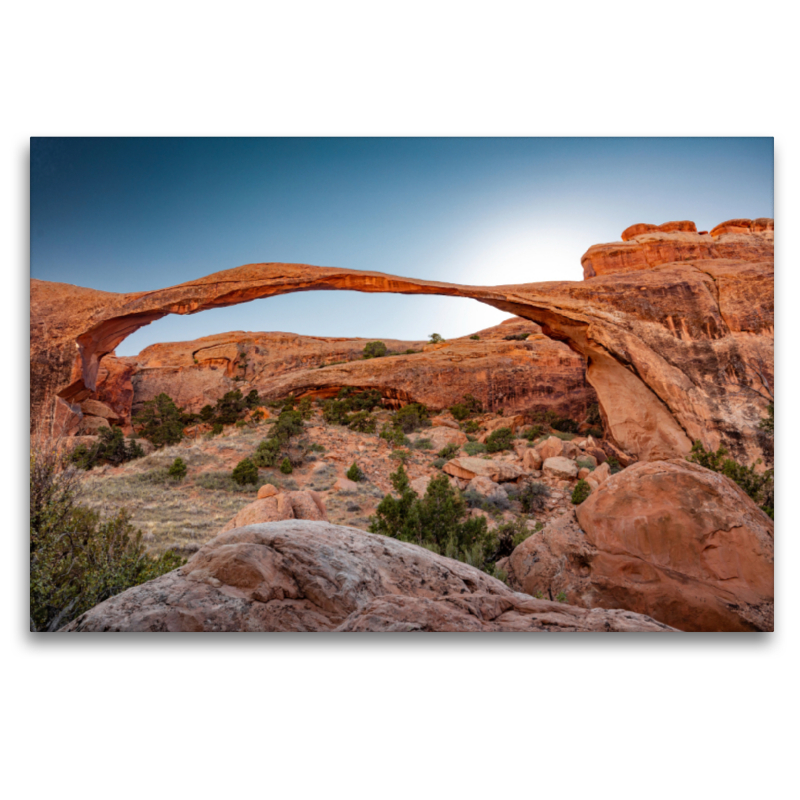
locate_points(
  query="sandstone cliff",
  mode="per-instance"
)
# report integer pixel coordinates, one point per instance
(677, 349)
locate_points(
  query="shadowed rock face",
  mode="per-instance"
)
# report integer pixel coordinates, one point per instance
(502, 373)
(313, 576)
(674, 349)
(670, 539)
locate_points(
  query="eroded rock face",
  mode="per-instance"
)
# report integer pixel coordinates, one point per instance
(516, 374)
(466, 468)
(314, 576)
(669, 539)
(678, 343)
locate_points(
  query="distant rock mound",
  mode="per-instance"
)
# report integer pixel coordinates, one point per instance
(669, 539)
(313, 576)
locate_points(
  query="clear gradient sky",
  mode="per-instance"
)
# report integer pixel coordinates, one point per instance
(127, 215)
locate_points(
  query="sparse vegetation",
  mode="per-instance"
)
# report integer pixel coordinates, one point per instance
(468, 408)
(475, 337)
(77, 558)
(245, 472)
(375, 350)
(411, 417)
(110, 448)
(501, 439)
(435, 338)
(177, 470)
(474, 448)
(759, 487)
(565, 425)
(286, 466)
(532, 496)
(449, 451)
(363, 422)
(423, 444)
(471, 426)
(159, 421)
(581, 491)
(355, 473)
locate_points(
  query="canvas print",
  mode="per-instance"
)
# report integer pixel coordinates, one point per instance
(399, 385)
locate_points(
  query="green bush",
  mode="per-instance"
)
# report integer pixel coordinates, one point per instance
(110, 448)
(435, 338)
(593, 417)
(768, 423)
(510, 535)
(289, 424)
(230, 407)
(613, 465)
(423, 444)
(374, 350)
(567, 437)
(475, 336)
(474, 448)
(584, 463)
(363, 422)
(517, 337)
(501, 439)
(581, 491)
(533, 433)
(471, 426)
(178, 469)
(565, 425)
(305, 408)
(355, 473)
(78, 559)
(216, 429)
(532, 496)
(159, 421)
(400, 455)
(220, 482)
(245, 472)
(411, 417)
(394, 436)
(449, 451)
(438, 521)
(438, 463)
(759, 487)
(286, 466)
(206, 413)
(252, 400)
(469, 407)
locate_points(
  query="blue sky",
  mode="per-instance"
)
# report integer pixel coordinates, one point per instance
(139, 214)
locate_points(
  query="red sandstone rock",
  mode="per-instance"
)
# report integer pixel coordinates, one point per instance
(675, 348)
(669, 539)
(531, 459)
(560, 467)
(466, 468)
(313, 576)
(279, 506)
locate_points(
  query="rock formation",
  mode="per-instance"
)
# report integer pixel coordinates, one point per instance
(313, 576)
(498, 370)
(677, 332)
(669, 539)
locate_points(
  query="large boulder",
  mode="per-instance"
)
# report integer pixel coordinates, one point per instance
(466, 468)
(313, 576)
(442, 436)
(279, 506)
(550, 447)
(669, 539)
(560, 467)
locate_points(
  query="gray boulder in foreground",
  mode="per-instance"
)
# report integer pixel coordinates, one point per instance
(300, 575)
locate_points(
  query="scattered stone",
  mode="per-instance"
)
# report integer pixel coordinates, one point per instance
(466, 468)
(560, 467)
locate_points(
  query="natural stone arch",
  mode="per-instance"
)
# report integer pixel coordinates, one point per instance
(653, 405)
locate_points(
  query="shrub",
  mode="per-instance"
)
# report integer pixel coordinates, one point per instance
(449, 451)
(435, 338)
(584, 463)
(393, 435)
(510, 535)
(110, 448)
(77, 560)
(532, 496)
(471, 426)
(439, 520)
(400, 455)
(561, 597)
(498, 440)
(596, 433)
(565, 425)
(355, 473)
(305, 408)
(252, 400)
(438, 463)
(216, 429)
(289, 424)
(475, 336)
(222, 482)
(411, 417)
(467, 408)
(533, 433)
(517, 337)
(240, 423)
(245, 472)
(230, 407)
(363, 422)
(768, 423)
(159, 421)
(581, 491)
(423, 444)
(374, 350)
(178, 469)
(613, 465)
(335, 412)
(593, 417)
(758, 486)
(473, 448)
(567, 437)
(286, 466)
(206, 413)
